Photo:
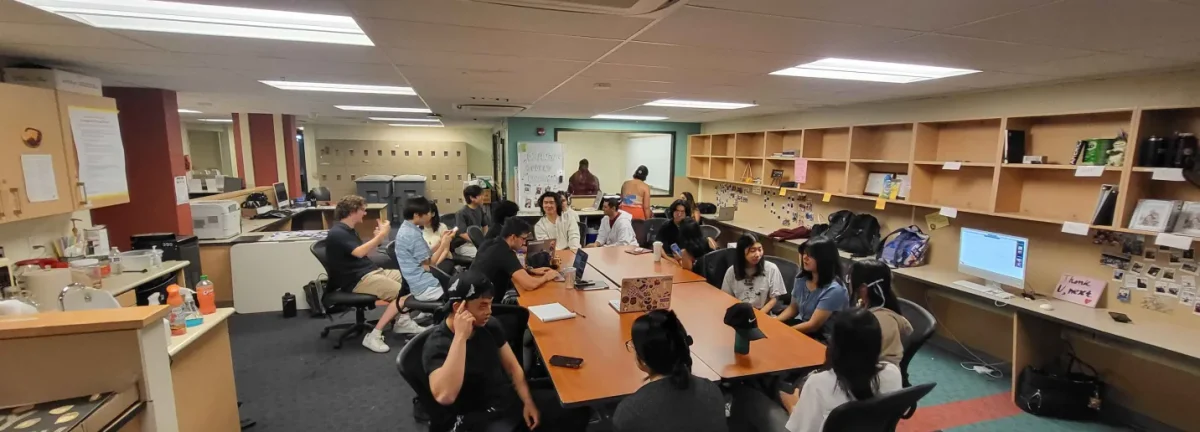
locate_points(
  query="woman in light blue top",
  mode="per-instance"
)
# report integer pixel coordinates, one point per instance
(819, 292)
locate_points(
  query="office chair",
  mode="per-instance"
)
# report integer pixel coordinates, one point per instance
(412, 369)
(582, 234)
(449, 220)
(923, 324)
(714, 264)
(878, 414)
(710, 231)
(336, 300)
(515, 320)
(789, 270)
(639, 230)
(653, 226)
(476, 235)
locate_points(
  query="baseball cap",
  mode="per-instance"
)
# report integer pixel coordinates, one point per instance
(741, 317)
(469, 285)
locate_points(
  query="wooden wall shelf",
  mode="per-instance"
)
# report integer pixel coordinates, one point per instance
(841, 158)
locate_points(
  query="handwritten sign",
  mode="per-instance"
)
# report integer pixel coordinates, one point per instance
(539, 170)
(1079, 290)
(800, 172)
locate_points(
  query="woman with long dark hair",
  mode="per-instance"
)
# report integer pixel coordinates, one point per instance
(691, 200)
(672, 399)
(752, 279)
(818, 292)
(692, 243)
(432, 233)
(678, 211)
(871, 283)
(852, 372)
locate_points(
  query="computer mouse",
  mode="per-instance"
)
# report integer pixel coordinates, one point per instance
(1046, 306)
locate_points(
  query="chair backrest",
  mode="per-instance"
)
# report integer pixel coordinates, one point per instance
(318, 251)
(515, 320)
(390, 248)
(789, 270)
(412, 369)
(476, 235)
(77, 297)
(449, 220)
(713, 265)
(639, 230)
(878, 414)
(923, 324)
(653, 226)
(710, 231)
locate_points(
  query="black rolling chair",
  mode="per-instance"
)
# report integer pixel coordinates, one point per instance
(639, 230)
(412, 369)
(515, 320)
(789, 270)
(336, 300)
(923, 324)
(582, 233)
(710, 231)
(653, 226)
(713, 265)
(449, 220)
(476, 235)
(878, 414)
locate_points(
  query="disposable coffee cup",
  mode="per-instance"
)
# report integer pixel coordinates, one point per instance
(658, 251)
(569, 276)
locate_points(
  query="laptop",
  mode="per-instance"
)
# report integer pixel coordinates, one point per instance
(580, 265)
(643, 294)
(536, 246)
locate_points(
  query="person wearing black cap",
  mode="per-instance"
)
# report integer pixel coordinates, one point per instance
(473, 371)
(672, 399)
(741, 317)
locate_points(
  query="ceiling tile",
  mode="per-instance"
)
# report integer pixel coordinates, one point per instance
(1100, 25)
(1097, 64)
(680, 56)
(963, 52)
(924, 15)
(500, 17)
(763, 33)
(439, 37)
(1189, 50)
(584, 88)
(483, 62)
(990, 79)
(602, 71)
(76, 35)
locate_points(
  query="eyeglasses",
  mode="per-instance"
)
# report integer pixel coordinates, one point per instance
(629, 345)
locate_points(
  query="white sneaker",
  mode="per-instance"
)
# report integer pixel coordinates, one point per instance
(405, 325)
(374, 342)
(423, 316)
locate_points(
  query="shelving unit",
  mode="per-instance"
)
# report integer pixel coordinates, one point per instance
(840, 159)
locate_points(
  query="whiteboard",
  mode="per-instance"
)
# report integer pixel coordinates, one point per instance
(539, 169)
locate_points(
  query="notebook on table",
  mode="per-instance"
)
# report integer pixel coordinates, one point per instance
(551, 312)
(643, 294)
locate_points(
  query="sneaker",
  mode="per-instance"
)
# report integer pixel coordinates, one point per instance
(405, 325)
(423, 316)
(374, 342)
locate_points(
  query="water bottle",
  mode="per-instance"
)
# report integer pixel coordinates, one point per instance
(156, 260)
(206, 295)
(114, 261)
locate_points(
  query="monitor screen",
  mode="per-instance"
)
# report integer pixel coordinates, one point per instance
(599, 198)
(992, 256)
(281, 195)
(580, 263)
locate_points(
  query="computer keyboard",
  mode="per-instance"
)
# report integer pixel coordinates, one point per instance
(983, 289)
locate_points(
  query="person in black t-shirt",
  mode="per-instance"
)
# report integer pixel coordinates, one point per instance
(501, 212)
(669, 233)
(497, 260)
(474, 372)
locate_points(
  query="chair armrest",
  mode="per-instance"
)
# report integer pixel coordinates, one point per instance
(422, 306)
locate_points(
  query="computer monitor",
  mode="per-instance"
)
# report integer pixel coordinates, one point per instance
(281, 196)
(997, 258)
(599, 199)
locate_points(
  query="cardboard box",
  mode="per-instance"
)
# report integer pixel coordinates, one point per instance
(54, 79)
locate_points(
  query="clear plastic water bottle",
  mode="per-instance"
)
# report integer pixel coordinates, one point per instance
(114, 261)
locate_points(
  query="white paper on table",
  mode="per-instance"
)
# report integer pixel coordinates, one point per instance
(1076, 228)
(954, 166)
(181, 190)
(1167, 174)
(1172, 240)
(949, 212)
(40, 184)
(99, 150)
(1089, 171)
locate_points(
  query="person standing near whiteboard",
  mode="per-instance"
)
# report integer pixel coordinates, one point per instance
(635, 195)
(583, 182)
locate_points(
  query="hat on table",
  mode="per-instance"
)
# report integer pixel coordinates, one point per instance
(741, 317)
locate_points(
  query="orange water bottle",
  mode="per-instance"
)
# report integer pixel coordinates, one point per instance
(177, 316)
(206, 296)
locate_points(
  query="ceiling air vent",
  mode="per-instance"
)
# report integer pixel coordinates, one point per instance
(606, 7)
(488, 110)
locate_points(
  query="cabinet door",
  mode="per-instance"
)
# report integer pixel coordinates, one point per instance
(25, 114)
(66, 100)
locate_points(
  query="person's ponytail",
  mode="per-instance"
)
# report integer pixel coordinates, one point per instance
(681, 368)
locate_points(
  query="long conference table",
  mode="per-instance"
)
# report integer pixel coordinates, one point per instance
(598, 334)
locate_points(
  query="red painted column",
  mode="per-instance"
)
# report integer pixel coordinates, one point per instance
(292, 156)
(262, 149)
(237, 145)
(153, 158)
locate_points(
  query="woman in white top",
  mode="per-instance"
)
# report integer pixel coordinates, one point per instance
(752, 279)
(553, 226)
(852, 372)
(433, 234)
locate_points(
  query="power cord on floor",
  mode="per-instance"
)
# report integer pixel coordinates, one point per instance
(979, 366)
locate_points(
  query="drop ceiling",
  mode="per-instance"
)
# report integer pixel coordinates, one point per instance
(456, 51)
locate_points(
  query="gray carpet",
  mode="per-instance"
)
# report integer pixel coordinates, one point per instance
(291, 380)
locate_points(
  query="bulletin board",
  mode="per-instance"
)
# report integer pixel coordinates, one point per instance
(539, 169)
(444, 165)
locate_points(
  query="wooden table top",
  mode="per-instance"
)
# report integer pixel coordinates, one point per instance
(615, 264)
(599, 335)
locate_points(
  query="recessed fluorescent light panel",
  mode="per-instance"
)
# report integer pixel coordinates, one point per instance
(679, 103)
(188, 111)
(626, 117)
(397, 119)
(382, 109)
(864, 70)
(340, 88)
(191, 18)
(217, 120)
(415, 125)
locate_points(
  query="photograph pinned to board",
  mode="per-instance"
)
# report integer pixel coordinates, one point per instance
(1175, 258)
(1154, 271)
(1114, 261)
(1118, 274)
(1143, 284)
(1151, 254)
(1196, 308)
(1174, 289)
(1137, 267)
(1168, 274)
(1156, 304)
(1164, 248)
(1187, 298)
(1187, 281)
(1133, 244)
(1160, 287)
(1124, 295)
(1189, 254)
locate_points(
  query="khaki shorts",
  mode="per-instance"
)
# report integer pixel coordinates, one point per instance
(382, 283)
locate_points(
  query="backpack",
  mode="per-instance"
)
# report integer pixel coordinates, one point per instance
(839, 221)
(312, 294)
(907, 247)
(861, 236)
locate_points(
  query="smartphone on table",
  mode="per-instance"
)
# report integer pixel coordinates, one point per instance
(565, 361)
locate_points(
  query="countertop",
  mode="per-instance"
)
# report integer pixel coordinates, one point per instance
(253, 226)
(119, 284)
(179, 343)
(86, 321)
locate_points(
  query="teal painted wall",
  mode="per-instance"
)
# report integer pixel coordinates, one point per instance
(522, 129)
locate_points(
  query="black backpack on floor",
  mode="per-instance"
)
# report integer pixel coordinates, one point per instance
(861, 236)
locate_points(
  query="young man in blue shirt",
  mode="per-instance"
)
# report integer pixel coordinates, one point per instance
(413, 253)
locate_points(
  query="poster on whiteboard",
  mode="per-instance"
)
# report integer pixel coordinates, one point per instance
(539, 169)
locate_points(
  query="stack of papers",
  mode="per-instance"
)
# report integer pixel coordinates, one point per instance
(551, 312)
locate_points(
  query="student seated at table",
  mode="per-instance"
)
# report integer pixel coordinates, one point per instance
(501, 212)
(568, 212)
(818, 292)
(554, 225)
(669, 233)
(852, 371)
(616, 228)
(692, 243)
(471, 214)
(474, 372)
(497, 260)
(351, 270)
(672, 399)
(691, 201)
(871, 280)
(752, 279)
